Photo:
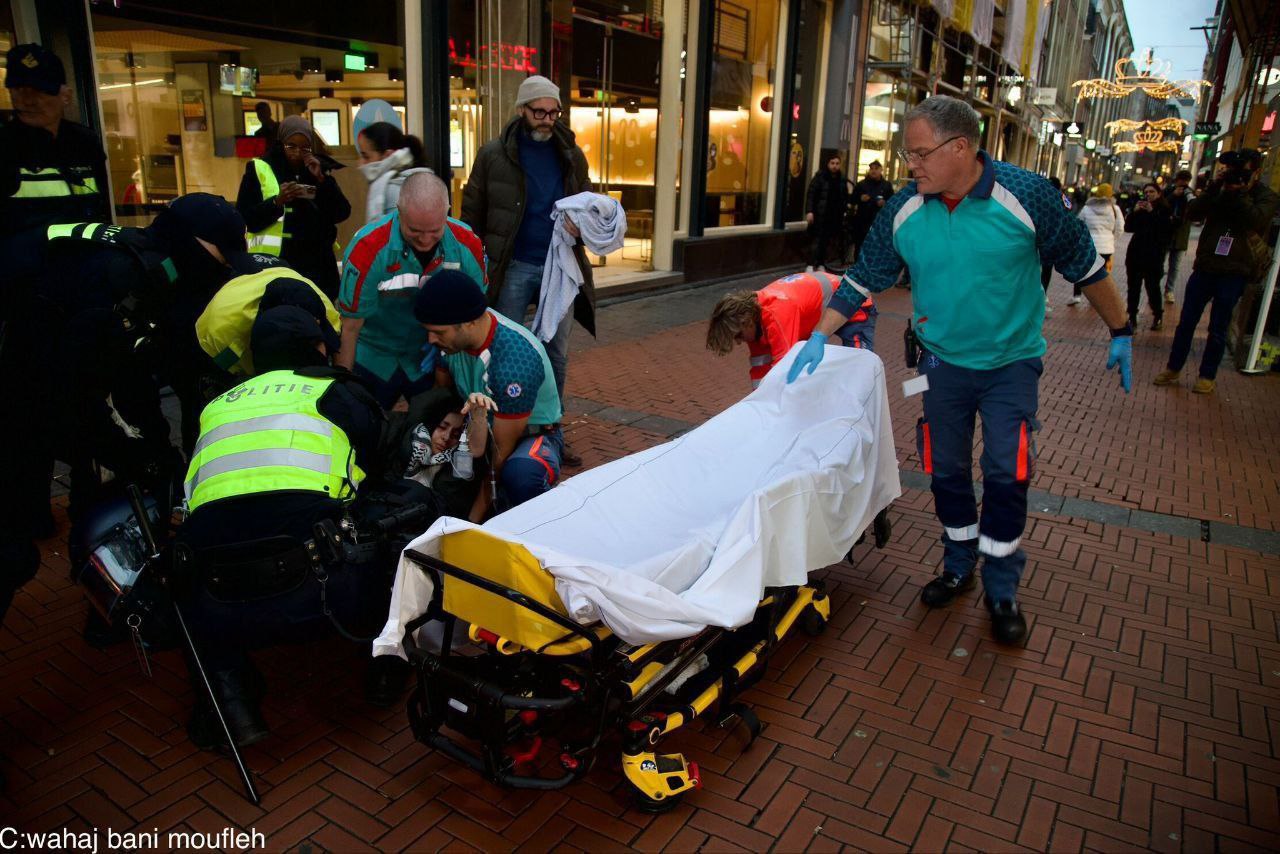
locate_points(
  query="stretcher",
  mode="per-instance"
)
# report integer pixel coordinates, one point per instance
(646, 593)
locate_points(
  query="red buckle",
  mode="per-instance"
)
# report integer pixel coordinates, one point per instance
(569, 762)
(637, 726)
(522, 757)
(695, 775)
(528, 717)
(570, 685)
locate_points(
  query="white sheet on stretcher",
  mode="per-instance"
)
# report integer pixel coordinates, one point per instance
(663, 543)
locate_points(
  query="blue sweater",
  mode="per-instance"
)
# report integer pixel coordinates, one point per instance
(543, 187)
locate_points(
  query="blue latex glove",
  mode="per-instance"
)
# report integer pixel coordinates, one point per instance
(1122, 355)
(810, 354)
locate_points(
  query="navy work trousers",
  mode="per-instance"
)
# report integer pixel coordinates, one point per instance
(1006, 398)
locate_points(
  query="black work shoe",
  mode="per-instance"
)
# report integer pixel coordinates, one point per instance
(882, 528)
(385, 681)
(945, 588)
(569, 459)
(1157, 324)
(1007, 623)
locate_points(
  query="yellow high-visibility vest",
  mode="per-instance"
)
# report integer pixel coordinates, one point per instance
(267, 435)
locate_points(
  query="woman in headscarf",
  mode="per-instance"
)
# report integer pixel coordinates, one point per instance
(292, 205)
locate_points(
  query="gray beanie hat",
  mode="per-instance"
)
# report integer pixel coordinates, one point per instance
(535, 87)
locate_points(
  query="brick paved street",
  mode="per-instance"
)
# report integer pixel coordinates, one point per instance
(1142, 713)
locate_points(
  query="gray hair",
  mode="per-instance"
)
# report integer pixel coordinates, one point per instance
(948, 117)
(424, 191)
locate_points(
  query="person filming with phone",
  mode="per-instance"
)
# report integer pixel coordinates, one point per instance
(292, 205)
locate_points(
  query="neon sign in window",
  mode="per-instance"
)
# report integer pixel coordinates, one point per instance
(508, 57)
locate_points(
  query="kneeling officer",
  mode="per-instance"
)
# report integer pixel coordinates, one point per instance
(276, 455)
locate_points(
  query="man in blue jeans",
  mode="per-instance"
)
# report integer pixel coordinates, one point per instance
(514, 184)
(502, 372)
(1234, 206)
(974, 232)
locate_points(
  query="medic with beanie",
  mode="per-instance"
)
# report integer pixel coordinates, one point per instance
(502, 372)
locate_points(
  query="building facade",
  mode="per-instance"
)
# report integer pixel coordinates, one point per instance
(705, 119)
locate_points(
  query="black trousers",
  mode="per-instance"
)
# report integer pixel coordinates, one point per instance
(1145, 275)
(820, 249)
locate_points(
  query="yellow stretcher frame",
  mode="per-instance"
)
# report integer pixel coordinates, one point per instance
(508, 603)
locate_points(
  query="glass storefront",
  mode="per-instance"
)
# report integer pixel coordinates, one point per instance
(179, 96)
(180, 92)
(8, 39)
(741, 111)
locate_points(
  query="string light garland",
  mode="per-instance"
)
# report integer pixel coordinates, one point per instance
(1152, 78)
(1125, 125)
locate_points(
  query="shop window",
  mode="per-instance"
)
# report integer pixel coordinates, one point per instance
(180, 94)
(884, 107)
(741, 112)
(803, 161)
(7, 40)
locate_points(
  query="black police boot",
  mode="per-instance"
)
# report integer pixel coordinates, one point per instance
(385, 680)
(945, 588)
(239, 693)
(1007, 623)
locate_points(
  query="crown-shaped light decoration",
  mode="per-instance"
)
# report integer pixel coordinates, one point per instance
(1178, 126)
(1147, 137)
(1152, 77)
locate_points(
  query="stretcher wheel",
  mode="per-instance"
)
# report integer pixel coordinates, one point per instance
(742, 713)
(646, 804)
(812, 623)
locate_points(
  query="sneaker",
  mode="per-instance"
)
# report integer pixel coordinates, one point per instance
(568, 459)
(945, 588)
(1157, 324)
(1168, 296)
(1204, 386)
(1007, 623)
(1167, 377)
(1075, 300)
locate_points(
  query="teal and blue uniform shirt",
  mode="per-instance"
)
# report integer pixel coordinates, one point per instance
(975, 271)
(511, 367)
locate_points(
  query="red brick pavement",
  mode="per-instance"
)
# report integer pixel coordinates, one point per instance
(1141, 714)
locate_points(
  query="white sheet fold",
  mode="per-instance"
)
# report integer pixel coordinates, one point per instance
(666, 542)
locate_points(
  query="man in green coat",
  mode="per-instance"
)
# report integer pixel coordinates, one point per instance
(512, 190)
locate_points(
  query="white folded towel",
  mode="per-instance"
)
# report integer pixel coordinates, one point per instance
(603, 225)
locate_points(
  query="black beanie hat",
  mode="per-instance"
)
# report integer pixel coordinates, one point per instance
(449, 297)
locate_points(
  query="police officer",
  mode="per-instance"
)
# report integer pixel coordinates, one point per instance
(51, 171)
(156, 280)
(277, 454)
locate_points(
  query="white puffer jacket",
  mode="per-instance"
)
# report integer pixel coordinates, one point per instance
(385, 178)
(1105, 223)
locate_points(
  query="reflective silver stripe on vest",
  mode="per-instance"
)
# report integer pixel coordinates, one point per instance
(257, 240)
(284, 458)
(828, 290)
(297, 423)
(758, 361)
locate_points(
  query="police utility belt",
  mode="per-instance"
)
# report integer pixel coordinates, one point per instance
(269, 567)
